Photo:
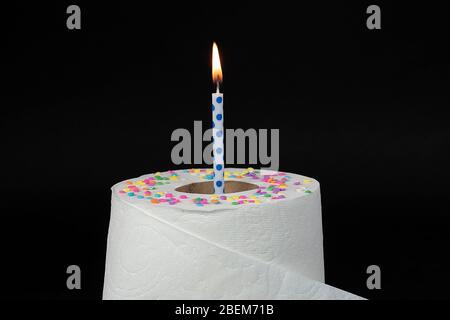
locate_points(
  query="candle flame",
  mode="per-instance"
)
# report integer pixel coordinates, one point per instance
(216, 67)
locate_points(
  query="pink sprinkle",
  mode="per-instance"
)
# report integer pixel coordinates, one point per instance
(169, 195)
(243, 197)
(162, 200)
(223, 197)
(183, 197)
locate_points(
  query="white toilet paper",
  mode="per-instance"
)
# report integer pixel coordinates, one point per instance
(257, 244)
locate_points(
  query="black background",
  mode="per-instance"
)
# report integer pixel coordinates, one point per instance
(363, 111)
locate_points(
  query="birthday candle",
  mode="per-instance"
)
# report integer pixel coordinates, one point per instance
(217, 124)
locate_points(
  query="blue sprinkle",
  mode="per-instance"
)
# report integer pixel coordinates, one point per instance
(140, 197)
(131, 194)
(219, 100)
(219, 167)
(219, 117)
(219, 183)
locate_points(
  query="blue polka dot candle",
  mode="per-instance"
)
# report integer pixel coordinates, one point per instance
(217, 124)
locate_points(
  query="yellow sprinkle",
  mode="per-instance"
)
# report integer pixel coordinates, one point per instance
(253, 197)
(214, 196)
(126, 190)
(283, 185)
(173, 178)
(251, 169)
(197, 170)
(307, 181)
(257, 201)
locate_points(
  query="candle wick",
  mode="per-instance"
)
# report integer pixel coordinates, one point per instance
(217, 87)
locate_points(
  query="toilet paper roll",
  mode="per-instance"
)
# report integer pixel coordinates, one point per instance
(263, 243)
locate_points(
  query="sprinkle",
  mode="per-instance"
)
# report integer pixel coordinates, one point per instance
(271, 187)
